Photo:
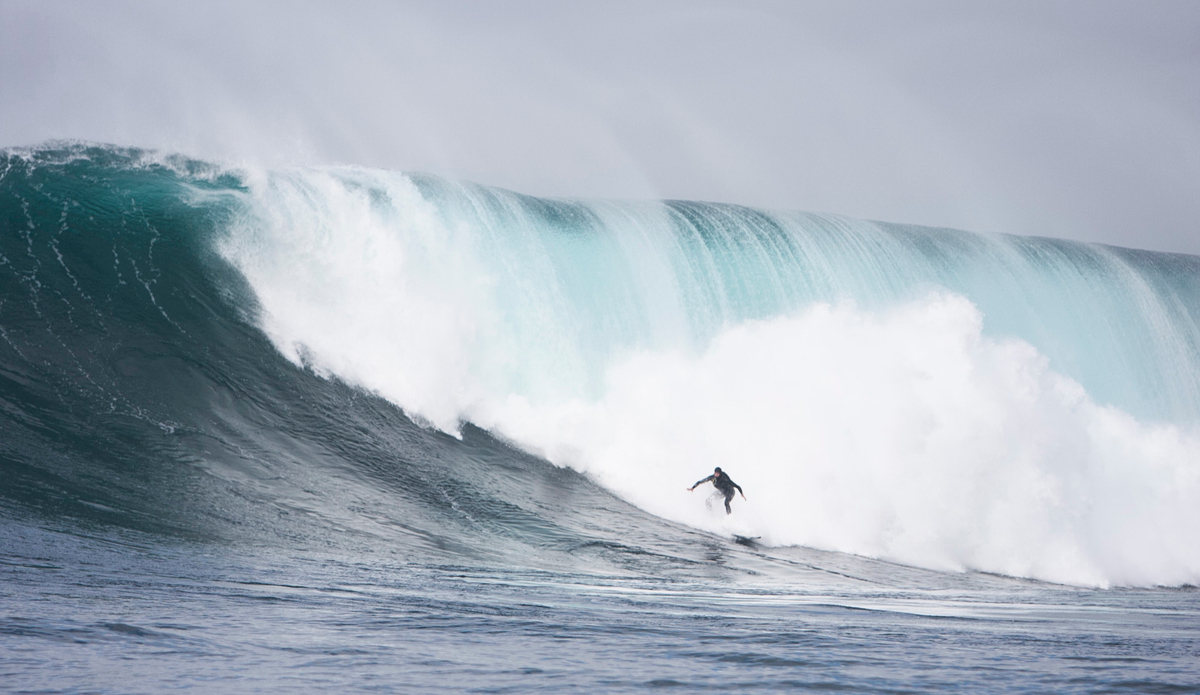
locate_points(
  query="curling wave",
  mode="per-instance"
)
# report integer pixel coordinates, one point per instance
(940, 398)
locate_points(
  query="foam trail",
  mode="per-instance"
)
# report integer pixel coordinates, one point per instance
(939, 398)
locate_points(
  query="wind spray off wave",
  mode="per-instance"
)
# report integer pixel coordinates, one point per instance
(938, 398)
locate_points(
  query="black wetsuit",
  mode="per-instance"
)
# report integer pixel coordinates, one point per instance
(723, 483)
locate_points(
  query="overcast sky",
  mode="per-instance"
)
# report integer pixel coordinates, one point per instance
(1068, 119)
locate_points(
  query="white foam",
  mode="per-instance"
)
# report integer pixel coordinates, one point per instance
(380, 295)
(902, 433)
(907, 436)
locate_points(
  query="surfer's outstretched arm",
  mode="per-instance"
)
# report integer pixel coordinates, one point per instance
(700, 482)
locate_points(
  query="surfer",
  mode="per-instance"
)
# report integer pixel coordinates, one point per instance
(722, 482)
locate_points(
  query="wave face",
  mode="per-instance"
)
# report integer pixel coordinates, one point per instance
(933, 397)
(137, 394)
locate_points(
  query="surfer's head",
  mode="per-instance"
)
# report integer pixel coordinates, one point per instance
(717, 470)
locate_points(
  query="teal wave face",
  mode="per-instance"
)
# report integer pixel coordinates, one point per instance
(113, 330)
(136, 391)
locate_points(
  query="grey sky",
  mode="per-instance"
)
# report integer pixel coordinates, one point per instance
(1070, 119)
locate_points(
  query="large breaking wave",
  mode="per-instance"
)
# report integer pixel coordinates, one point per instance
(935, 397)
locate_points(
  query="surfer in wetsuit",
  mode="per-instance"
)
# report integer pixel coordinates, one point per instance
(721, 481)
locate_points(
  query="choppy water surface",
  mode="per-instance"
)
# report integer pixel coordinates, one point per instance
(91, 615)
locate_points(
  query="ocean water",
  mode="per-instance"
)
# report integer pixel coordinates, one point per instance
(340, 429)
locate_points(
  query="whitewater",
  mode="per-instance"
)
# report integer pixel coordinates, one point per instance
(344, 428)
(936, 398)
